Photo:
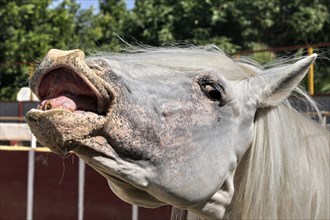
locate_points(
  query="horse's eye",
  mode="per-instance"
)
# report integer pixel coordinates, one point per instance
(214, 93)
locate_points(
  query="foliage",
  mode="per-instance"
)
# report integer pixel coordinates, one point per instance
(159, 22)
(111, 22)
(19, 22)
(262, 57)
(30, 28)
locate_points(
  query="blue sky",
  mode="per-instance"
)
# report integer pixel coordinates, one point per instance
(87, 3)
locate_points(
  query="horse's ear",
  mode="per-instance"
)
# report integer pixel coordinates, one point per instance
(274, 85)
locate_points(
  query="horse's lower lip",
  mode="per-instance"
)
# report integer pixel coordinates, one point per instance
(58, 129)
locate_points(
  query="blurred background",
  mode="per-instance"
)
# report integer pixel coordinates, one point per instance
(29, 28)
(34, 183)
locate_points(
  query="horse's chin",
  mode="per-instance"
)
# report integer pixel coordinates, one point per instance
(98, 158)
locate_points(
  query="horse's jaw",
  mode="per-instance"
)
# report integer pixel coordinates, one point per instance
(217, 206)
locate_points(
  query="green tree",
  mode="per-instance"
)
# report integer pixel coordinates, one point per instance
(159, 22)
(19, 43)
(240, 22)
(111, 24)
(235, 25)
(28, 30)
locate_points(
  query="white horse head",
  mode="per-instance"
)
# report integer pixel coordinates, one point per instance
(187, 127)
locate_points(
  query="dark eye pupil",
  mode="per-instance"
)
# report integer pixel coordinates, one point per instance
(212, 92)
(215, 94)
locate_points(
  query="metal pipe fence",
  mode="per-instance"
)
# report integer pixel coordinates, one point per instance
(21, 132)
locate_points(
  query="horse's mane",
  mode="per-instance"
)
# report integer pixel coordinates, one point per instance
(285, 173)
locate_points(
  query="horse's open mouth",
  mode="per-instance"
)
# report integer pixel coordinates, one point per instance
(73, 106)
(62, 88)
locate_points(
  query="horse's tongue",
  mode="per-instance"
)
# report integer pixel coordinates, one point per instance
(61, 102)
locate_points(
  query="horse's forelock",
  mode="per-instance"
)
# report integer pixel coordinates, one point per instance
(190, 59)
